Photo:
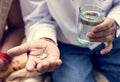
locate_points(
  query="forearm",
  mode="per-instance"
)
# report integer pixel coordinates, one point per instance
(38, 21)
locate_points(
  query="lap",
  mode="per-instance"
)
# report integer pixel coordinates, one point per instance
(80, 65)
(109, 64)
(76, 65)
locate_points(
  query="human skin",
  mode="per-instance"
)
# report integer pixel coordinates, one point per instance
(104, 32)
(14, 30)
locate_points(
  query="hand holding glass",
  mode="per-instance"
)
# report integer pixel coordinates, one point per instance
(89, 16)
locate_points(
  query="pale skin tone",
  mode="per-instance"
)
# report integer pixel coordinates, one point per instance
(104, 32)
(37, 48)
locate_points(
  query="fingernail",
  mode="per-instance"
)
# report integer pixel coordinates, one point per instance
(103, 52)
(90, 34)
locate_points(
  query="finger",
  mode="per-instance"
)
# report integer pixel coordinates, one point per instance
(54, 60)
(108, 47)
(102, 39)
(19, 49)
(42, 66)
(101, 33)
(59, 62)
(48, 65)
(54, 65)
(106, 24)
(31, 64)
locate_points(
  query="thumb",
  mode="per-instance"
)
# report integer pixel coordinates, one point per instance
(108, 47)
(18, 50)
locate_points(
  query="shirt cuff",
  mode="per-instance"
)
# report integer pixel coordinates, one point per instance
(118, 30)
(38, 31)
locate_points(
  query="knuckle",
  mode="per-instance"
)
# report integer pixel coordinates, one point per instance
(114, 28)
(108, 38)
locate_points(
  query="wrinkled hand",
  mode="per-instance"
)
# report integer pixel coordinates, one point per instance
(37, 48)
(104, 32)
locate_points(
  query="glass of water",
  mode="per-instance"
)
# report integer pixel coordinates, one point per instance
(89, 16)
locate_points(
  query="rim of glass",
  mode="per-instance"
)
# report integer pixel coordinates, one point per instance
(92, 5)
(82, 6)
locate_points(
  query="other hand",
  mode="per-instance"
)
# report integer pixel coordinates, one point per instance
(104, 32)
(36, 49)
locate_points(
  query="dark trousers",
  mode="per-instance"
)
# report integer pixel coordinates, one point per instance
(78, 63)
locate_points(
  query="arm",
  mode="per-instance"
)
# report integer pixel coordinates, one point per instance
(41, 35)
(38, 21)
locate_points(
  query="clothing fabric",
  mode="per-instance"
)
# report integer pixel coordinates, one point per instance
(21, 75)
(24, 76)
(44, 17)
(78, 63)
(4, 9)
(58, 20)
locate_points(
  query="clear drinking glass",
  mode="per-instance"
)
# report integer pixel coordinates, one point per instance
(89, 16)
